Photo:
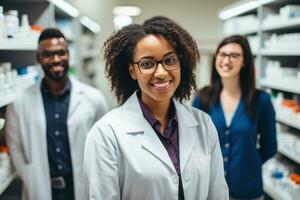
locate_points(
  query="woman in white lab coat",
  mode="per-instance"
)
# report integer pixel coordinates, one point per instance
(153, 146)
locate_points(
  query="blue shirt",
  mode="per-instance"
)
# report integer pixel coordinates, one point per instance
(56, 111)
(239, 142)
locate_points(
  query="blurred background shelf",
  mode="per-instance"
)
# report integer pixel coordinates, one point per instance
(5, 181)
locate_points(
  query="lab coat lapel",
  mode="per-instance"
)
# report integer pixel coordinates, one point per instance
(187, 133)
(39, 129)
(153, 145)
(75, 98)
(136, 123)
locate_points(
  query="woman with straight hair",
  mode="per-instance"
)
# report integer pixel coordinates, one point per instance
(244, 117)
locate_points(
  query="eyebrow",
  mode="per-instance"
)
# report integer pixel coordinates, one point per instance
(229, 52)
(151, 57)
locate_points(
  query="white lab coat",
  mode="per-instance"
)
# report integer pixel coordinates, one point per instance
(124, 158)
(27, 141)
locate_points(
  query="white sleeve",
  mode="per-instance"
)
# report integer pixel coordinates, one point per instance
(218, 189)
(101, 164)
(14, 139)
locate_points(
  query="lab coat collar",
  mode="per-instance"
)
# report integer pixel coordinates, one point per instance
(135, 123)
(76, 92)
(76, 95)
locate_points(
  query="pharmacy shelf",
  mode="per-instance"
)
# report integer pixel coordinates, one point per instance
(288, 122)
(2, 123)
(278, 188)
(91, 53)
(243, 32)
(9, 98)
(288, 55)
(270, 191)
(275, 191)
(268, 52)
(286, 151)
(237, 8)
(14, 46)
(287, 85)
(4, 183)
(282, 25)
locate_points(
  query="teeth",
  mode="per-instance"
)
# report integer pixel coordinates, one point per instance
(161, 85)
(226, 68)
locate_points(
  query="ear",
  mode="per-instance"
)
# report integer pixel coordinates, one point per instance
(132, 72)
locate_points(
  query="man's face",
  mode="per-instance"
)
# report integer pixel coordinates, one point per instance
(53, 55)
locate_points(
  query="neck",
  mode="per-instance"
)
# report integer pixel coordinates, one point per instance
(160, 111)
(231, 86)
(56, 87)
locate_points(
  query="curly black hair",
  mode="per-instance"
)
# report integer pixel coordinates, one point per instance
(119, 49)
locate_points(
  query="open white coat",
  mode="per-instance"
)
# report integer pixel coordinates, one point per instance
(27, 141)
(125, 160)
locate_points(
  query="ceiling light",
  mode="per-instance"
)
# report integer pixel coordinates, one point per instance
(238, 9)
(66, 7)
(121, 21)
(90, 24)
(127, 10)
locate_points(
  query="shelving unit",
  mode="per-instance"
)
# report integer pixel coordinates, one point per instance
(267, 52)
(23, 85)
(90, 50)
(276, 191)
(286, 151)
(288, 122)
(287, 85)
(282, 25)
(5, 181)
(273, 40)
(44, 13)
(18, 47)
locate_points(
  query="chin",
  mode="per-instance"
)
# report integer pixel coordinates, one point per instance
(163, 96)
(56, 77)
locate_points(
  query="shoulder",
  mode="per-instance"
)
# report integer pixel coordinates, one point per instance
(263, 97)
(111, 119)
(201, 122)
(30, 96)
(199, 116)
(108, 124)
(203, 92)
(202, 99)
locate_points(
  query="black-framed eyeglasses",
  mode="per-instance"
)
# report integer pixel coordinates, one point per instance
(47, 55)
(233, 57)
(148, 66)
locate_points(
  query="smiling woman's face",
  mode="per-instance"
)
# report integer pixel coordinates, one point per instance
(160, 85)
(229, 61)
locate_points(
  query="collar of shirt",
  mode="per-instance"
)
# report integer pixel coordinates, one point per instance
(65, 91)
(151, 119)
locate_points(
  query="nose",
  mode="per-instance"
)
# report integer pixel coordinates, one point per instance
(226, 59)
(160, 70)
(56, 58)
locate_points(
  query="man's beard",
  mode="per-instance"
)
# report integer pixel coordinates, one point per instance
(56, 76)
